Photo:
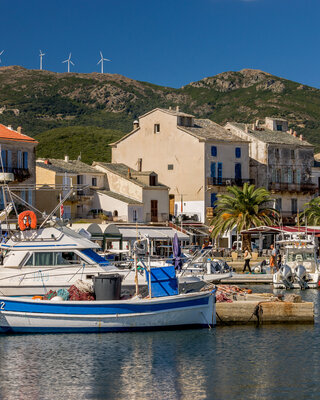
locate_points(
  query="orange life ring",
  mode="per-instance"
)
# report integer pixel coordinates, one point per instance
(27, 220)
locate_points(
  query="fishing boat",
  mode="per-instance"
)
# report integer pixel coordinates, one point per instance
(192, 310)
(38, 260)
(300, 268)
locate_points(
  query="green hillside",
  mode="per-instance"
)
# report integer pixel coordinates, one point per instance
(81, 110)
(90, 142)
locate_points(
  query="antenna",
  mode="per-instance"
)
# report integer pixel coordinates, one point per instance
(101, 61)
(1, 52)
(41, 55)
(68, 60)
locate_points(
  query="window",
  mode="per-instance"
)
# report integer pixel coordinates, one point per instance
(170, 166)
(278, 205)
(290, 176)
(52, 258)
(214, 151)
(213, 199)
(156, 128)
(298, 176)
(134, 215)
(213, 170)
(278, 175)
(9, 160)
(23, 194)
(277, 153)
(292, 154)
(4, 158)
(30, 196)
(25, 160)
(294, 206)
(19, 164)
(94, 181)
(279, 127)
(238, 152)
(152, 180)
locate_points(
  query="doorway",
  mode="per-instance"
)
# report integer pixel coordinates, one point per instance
(154, 210)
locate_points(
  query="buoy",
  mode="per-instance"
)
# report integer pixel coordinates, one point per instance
(27, 220)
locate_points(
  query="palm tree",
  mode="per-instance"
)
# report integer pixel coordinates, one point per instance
(311, 213)
(243, 208)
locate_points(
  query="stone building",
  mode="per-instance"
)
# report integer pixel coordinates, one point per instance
(281, 161)
(18, 159)
(130, 195)
(56, 177)
(195, 158)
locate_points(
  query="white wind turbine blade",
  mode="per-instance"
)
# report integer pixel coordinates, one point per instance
(101, 54)
(1, 52)
(69, 57)
(97, 62)
(71, 62)
(106, 59)
(65, 61)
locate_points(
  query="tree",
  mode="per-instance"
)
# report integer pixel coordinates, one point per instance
(311, 213)
(243, 208)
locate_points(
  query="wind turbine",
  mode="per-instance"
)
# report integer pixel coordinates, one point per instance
(68, 60)
(1, 52)
(41, 55)
(101, 61)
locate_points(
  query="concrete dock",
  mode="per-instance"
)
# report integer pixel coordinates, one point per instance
(261, 312)
(247, 279)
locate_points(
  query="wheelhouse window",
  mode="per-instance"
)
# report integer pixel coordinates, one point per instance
(52, 258)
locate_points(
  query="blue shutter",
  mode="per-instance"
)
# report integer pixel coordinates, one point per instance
(25, 160)
(237, 172)
(219, 172)
(214, 151)
(213, 199)
(238, 152)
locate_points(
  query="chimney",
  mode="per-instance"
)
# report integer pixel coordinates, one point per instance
(246, 128)
(257, 123)
(10, 127)
(19, 129)
(170, 108)
(291, 131)
(253, 127)
(47, 162)
(129, 173)
(177, 108)
(301, 137)
(135, 124)
(66, 158)
(295, 134)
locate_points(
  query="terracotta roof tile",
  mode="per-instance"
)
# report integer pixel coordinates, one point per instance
(10, 134)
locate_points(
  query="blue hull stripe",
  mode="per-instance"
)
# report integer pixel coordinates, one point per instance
(95, 308)
(23, 329)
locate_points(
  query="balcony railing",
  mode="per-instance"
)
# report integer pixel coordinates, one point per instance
(228, 181)
(292, 187)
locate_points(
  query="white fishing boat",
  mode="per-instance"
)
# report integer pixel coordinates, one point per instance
(38, 260)
(300, 268)
(191, 310)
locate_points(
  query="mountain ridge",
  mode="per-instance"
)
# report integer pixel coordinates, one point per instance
(41, 101)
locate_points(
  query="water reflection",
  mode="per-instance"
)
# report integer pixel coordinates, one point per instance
(273, 362)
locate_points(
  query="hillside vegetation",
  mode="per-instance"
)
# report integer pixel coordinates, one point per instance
(85, 112)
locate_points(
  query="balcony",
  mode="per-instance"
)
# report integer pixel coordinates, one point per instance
(228, 181)
(292, 187)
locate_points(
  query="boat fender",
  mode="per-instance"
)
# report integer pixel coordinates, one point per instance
(27, 220)
(57, 298)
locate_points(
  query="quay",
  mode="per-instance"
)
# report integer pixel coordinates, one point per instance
(247, 279)
(260, 310)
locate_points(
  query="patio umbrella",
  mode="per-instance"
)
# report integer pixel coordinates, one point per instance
(176, 252)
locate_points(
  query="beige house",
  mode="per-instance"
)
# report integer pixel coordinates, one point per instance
(130, 195)
(281, 161)
(55, 178)
(18, 159)
(195, 158)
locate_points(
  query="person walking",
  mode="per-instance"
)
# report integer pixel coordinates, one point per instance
(247, 257)
(273, 259)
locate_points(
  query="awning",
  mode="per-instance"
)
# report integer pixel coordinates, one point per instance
(156, 233)
(283, 229)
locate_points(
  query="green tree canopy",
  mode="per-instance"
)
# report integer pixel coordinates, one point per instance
(243, 208)
(311, 213)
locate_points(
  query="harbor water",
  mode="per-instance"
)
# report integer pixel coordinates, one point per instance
(244, 362)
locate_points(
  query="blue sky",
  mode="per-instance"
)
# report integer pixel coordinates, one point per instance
(166, 42)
